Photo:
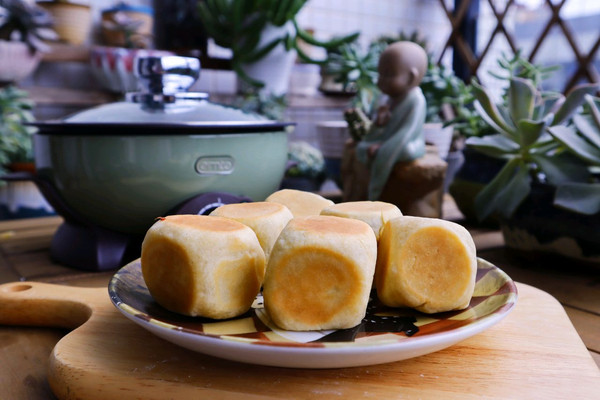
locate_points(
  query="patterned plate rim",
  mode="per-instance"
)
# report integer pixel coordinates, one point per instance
(498, 296)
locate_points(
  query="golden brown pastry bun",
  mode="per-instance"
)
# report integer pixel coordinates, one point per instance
(300, 203)
(320, 273)
(374, 213)
(425, 263)
(266, 219)
(202, 266)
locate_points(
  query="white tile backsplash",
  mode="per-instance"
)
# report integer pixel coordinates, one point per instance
(375, 18)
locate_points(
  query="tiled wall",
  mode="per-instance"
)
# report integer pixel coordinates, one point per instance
(375, 18)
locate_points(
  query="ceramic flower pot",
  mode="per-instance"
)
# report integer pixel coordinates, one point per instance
(72, 21)
(333, 136)
(275, 68)
(538, 227)
(16, 61)
(138, 18)
(113, 67)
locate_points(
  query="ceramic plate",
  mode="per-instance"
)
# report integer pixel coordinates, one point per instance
(385, 335)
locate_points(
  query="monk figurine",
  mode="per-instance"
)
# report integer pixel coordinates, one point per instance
(391, 162)
(397, 131)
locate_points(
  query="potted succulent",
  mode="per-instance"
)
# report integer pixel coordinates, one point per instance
(260, 33)
(305, 169)
(534, 193)
(479, 169)
(23, 29)
(125, 25)
(15, 136)
(18, 197)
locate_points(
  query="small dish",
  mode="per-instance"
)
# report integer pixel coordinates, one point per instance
(385, 335)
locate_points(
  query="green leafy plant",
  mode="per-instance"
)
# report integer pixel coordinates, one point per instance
(22, 21)
(523, 140)
(15, 136)
(356, 70)
(519, 67)
(583, 141)
(440, 87)
(238, 25)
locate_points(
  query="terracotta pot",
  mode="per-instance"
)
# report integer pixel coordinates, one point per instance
(72, 21)
(16, 61)
(139, 14)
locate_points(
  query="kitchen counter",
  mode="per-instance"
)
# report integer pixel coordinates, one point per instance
(548, 347)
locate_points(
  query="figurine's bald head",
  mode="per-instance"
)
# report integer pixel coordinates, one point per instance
(402, 66)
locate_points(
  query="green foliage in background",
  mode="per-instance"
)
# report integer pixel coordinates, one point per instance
(238, 25)
(15, 137)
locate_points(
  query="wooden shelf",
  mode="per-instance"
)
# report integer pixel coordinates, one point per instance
(61, 52)
(69, 97)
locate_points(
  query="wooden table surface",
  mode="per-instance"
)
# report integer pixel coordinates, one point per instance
(24, 255)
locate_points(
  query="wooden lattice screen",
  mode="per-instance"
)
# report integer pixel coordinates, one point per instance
(585, 67)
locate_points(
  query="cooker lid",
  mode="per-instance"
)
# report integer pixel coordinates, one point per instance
(163, 105)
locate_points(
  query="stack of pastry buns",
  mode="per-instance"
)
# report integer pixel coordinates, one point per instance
(316, 261)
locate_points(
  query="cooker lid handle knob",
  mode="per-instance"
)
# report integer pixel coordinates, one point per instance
(167, 74)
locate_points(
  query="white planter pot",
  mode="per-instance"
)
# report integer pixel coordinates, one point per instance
(22, 199)
(16, 61)
(275, 68)
(441, 137)
(332, 136)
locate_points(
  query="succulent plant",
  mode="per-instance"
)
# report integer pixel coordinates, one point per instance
(523, 140)
(305, 160)
(583, 141)
(238, 25)
(26, 22)
(356, 70)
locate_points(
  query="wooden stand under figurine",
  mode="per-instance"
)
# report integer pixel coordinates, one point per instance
(416, 187)
(391, 162)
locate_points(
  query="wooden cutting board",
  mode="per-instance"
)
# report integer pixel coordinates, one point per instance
(534, 353)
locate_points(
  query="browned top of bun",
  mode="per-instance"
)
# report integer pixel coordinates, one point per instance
(249, 210)
(204, 222)
(364, 206)
(329, 224)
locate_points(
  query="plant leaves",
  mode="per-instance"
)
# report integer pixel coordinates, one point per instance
(489, 112)
(497, 146)
(549, 102)
(261, 52)
(505, 192)
(521, 99)
(574, 99)
(530, 130)
(576, 144)
(594, 104)
(583, 198)
(560, 168)
(585, 125)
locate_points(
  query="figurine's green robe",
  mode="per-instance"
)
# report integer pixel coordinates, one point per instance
(401, 139)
